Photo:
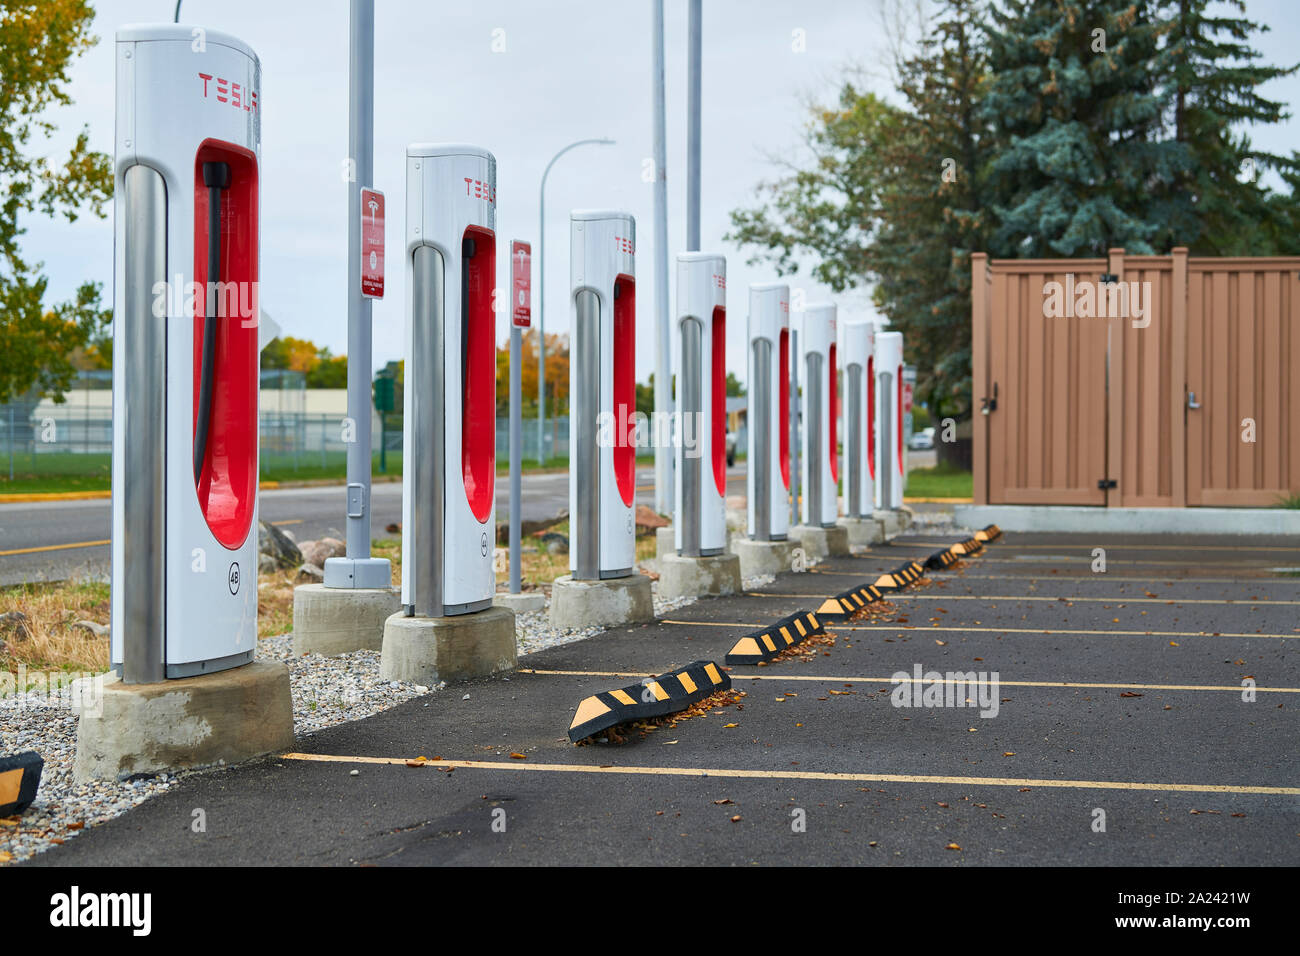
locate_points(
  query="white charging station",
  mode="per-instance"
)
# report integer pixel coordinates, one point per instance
(768, 480)
(890, 461)
(701, 363)
(449, 428)
(185, 383)
(820, 465)
(858, 355)
(602, 394)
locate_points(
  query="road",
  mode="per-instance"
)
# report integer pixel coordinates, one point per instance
(1120, 734)
(52, 541)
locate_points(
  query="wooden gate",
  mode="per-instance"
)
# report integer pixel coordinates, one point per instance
(1134, 381)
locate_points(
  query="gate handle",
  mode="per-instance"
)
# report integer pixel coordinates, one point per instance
(1191, 400)
(990, 404)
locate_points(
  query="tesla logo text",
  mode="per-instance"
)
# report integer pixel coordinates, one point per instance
(225, 91)
(624, 245)
(481, 190)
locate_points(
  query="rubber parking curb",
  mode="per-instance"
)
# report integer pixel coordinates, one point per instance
(942, 559)
(900, 577)
(20, 776)
(846, 602)
(989, 533)
(765, 644)
(653, 697)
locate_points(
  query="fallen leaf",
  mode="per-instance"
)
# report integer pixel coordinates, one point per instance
(1009, 753)
(952, 846)
(723, 802)
(731, 725)
(1130, 693)
(736, 818)
(518, 757)
(77, 826)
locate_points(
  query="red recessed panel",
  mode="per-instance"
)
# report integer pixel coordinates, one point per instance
(478, 447)
(833, 407)
(783, 383)
(871, 416)
(625, 387)
(899, 424)
(227, 485)
(719, 391)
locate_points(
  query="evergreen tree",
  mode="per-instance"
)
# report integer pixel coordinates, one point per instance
(1213, 81)
(1076, 102)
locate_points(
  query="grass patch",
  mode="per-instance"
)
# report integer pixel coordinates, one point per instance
(1289, 501)
(54, 644)
(941, 481)
(540, 567)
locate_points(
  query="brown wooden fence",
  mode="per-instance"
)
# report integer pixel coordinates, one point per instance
(1136, 381)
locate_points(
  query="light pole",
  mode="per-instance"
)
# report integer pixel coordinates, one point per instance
(541, 298)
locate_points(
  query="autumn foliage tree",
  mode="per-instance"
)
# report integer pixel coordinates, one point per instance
(38, 42)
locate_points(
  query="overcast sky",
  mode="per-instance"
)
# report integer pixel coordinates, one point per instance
(571, 69)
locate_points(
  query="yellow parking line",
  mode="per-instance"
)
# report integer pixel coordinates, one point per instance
(55, 547)
(1033, 597)
(732, 773)
(1064, 632)
(778, 678)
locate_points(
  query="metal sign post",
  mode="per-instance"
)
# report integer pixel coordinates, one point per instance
(521, 264)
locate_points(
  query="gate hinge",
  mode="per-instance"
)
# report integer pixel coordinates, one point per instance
(1107, 483)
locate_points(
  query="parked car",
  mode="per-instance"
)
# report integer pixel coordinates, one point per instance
(922, 440)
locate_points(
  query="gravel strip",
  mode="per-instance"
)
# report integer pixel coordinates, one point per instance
(326, 691)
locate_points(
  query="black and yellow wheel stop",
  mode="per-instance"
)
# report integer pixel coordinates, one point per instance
(900, 577)
(20, 775)
(990, 533)
(766, 644)
(846, 602)
(654, 697)
(942, 559)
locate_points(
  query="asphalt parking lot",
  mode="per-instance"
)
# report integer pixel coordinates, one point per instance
(1122, 734)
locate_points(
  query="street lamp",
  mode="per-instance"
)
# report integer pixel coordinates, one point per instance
(541, 300)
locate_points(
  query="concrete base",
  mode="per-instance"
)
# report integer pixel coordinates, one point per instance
(665, 541)
(762, 557)
(520, 603)
(332, 621)
(425, 650)
(698, 577)
(601, 603)
(893, 522)
(863, 531)
(1070, 518)
(182, 724)
(832, 542)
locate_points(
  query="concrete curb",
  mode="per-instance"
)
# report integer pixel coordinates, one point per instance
(1244, 521)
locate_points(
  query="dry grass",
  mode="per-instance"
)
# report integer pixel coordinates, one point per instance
(542, 568)
(54, 644)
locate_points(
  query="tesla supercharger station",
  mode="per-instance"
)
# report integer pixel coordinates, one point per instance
(768, 481)
(603, 586)
(602, 395)
(859, 340)
(889, 421)
(701, 346)
(185, 389)
(820, 433)
(449, 428)
(185, 383)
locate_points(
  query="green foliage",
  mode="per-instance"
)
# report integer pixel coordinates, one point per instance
(38, 42)
(1030, 128)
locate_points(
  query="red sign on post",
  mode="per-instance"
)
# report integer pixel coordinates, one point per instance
(372, 243)
(521, 269)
